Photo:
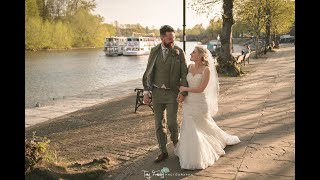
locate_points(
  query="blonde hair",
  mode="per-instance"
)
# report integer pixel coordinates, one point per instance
(203, 54)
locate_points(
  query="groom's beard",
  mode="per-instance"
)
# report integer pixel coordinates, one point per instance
(168, 45)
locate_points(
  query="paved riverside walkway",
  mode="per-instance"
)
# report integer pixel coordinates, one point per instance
(258, 107)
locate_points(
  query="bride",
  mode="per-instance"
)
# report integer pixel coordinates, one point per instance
(201, 141)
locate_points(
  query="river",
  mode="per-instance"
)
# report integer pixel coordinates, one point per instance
(51, 75)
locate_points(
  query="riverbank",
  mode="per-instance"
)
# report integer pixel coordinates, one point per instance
(62, 49)
(59, 107)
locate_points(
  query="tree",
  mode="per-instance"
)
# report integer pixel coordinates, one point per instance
(86, 29)
(31, 9)
(226, 62)
(279, 18)
(282, 17)
(276, 15)
(214, 28)
(43, 9)
(252, 13)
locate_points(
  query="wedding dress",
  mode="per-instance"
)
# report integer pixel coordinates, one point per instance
(201, 141)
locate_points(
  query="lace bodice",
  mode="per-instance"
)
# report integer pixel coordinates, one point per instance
(194, 80)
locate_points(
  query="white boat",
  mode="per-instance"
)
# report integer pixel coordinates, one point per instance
(139, 45)
(114, 46)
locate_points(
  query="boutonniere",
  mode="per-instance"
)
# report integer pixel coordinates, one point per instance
(177, 52)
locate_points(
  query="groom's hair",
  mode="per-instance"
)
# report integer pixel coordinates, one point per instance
(164, 29)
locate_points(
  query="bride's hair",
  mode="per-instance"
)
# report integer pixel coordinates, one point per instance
(204, 55)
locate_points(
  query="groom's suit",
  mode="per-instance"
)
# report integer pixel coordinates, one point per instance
(164, 76)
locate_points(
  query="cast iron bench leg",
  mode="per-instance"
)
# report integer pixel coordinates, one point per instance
(139, 100)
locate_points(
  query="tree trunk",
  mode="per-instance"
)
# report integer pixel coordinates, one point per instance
(268, 22)
(225, 60)
(258, 49)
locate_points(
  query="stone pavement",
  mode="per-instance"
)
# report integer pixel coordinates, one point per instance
(260, 109)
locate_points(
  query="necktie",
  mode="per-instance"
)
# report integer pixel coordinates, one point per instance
(165, 53)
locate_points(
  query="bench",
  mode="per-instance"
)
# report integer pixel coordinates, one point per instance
(246, 58)
(239, 59)
(139, 99)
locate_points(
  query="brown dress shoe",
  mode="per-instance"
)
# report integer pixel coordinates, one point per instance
(161, 157)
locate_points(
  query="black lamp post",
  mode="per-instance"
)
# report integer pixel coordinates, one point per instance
(184, 26)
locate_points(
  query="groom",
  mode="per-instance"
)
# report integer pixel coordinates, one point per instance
(166, 71)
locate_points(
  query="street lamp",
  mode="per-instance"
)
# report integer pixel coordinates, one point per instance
(184, 38)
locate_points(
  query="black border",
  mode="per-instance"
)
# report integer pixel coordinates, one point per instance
(13, 86)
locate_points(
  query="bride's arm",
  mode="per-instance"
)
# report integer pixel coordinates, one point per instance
(202, 86)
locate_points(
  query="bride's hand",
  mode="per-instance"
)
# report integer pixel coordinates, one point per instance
(181, 88)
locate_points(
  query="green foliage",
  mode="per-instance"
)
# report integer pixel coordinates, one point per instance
(31, 8)
(250, 16)
(105, 31)
(35, 35)
(36, 150)
(196, 30)
(214, 28)
(55, 24)
(60, 36)
(128, 29)
(86, 29)
(282, 16)
(63, 25)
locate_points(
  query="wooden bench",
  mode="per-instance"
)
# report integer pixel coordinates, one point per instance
(139, 99)
(261, 51)
(239, 59)
(246, 58)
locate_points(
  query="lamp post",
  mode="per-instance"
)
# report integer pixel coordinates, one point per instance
(184, 26)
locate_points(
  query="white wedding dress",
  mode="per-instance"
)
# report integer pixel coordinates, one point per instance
(201, 141)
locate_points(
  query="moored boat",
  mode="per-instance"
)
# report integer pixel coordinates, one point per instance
(114, 45)
(139, 45)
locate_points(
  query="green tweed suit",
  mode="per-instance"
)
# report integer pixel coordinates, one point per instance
(171, 72)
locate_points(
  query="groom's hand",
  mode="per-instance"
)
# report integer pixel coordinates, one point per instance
(146, 99)
(180, 98)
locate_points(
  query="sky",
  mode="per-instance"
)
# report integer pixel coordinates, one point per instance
(151, 13)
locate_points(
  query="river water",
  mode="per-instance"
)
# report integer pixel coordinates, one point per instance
(51, 75)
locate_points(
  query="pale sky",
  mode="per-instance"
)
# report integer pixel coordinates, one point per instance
(151, 13)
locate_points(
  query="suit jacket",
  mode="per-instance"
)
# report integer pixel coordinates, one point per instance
(178, 68)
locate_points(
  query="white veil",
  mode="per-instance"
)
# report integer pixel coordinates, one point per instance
(212, 89)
